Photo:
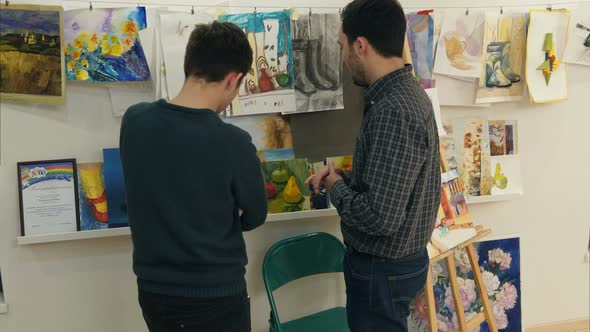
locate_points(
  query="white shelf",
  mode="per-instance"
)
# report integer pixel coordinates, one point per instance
(3, 306)
(492, 198)
(124, 231)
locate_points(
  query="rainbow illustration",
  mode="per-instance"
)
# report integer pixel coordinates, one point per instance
(32, 174)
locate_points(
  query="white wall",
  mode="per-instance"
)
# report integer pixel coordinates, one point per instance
(88, 285)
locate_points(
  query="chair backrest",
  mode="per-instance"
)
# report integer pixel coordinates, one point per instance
(301, 256)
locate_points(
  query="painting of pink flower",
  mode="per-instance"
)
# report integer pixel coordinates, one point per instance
(462, 261)
(419, 306)
(491, 282)
(437, 270)
(507, 296)
(498, 256)
(467, 290)
(500, 315)
(444, 325)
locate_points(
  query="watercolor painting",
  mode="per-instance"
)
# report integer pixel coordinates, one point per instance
(420, 33)
(31, 61)
(276, 154)
(317, 64)
(268, 132)
(447, 147)
(503, 55)
(503, 137)
(499, 260)
(285, 185)
(454, 206)
(546, 43)
(102, 45)
(473, 155)
(506, 175)
(578, 45)
(93, 198)
(269, 85)
(115, 187)
(460, 44)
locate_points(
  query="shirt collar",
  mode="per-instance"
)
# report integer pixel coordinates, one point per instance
(383, 85)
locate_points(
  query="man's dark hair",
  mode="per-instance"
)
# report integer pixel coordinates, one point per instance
(214, 50)
(382, 22)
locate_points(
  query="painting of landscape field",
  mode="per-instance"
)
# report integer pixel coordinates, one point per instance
(31, 61)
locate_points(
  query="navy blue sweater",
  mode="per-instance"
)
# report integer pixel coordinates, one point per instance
(187, 174)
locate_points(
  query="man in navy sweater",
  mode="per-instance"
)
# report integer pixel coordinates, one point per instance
(193, 185)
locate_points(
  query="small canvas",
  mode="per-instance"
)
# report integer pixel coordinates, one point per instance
(503, 54)
(473, 155)
(268, 132)
(269, 85)
(499, 260)
(93, 198)
(578, 45)
(31, 61)
(276, 154)
(102, 45)
(459, 45)
(420, 33)
(115, 187)
(506, 175)
(546, 43)
(285, 185)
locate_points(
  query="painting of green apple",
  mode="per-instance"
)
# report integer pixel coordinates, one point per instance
(285, 185)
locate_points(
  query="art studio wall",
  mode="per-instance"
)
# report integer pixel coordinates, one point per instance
(89, 285)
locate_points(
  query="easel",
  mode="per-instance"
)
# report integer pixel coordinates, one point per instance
(486, 314)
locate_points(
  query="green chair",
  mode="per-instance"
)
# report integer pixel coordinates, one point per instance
(298, 257)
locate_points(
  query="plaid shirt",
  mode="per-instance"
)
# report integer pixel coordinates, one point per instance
(390, 207)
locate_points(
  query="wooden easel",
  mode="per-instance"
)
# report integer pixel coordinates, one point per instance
(486, 314)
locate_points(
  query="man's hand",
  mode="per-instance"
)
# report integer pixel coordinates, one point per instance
(317, 178)
(332, 177)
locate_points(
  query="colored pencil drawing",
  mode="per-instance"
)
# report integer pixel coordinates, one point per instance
(103, 45)
(31, 61)
(268, 132)
(285, 185)
(93, 199)
(269, 85)
(420, 32)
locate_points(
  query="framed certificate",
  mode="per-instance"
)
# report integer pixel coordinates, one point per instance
(48, 192)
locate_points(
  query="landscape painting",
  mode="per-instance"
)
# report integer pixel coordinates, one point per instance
(31, 63)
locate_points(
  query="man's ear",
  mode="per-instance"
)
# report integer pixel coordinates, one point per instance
(361, 46)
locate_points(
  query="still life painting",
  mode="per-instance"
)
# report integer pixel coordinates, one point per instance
(31, 61)
(269, 85)
(93, 199)
(285, 185)
(102, 45)
(500, 263)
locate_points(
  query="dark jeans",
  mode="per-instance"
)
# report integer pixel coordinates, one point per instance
(379, 290)
(170, 313)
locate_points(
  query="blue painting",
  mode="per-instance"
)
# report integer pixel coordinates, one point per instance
(276, 154)
(115, 187)
(500, 264)
(93, 199)
(420, 39)
(102, 45)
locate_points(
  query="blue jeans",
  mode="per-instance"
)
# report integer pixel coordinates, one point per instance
(379, 290)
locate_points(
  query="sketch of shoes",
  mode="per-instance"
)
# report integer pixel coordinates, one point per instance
(314, 64)
(498, 79)
(302, 83)
(504, 49)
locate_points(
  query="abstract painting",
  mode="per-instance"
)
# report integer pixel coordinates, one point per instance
(93, 199)
(285, 185)
(317, 64)
(420, 32)
(499, 260)
(578, 45)
(472, 144)
(503, 137)
(269, 85)
(276, 154)
(459, 46)
(115, 188)
(546, 85)
(268, 132)
(506, 175)
(31, 61)
(452, 200)
(502, 63)
(102, 45)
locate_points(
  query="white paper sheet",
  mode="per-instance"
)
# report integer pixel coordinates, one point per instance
(433, 95)
(455, 92)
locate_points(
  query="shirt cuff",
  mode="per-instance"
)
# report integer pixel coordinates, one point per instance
(339, 191)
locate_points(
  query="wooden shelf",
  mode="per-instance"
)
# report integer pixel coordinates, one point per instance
(124, 231)
(492, 198)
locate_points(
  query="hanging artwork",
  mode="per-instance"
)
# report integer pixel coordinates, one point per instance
(546, 43)
(578, 45)
(503, 137)
(506, 175)
(175, 29)
(459, 46)
(420, 32)
(115, 188)
(499, 260)
(285, 185)
(502, 62)
(269, 86)
(31, 61)
(93, 199)
(103, 45)
(472, 144)
(317, 63)
(268, 132)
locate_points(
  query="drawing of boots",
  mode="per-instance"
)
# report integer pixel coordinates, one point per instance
(314, 64)
(302, 83)
(504, 49)
(494, 74)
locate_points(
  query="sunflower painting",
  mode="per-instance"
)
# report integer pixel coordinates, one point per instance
(102, 45)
